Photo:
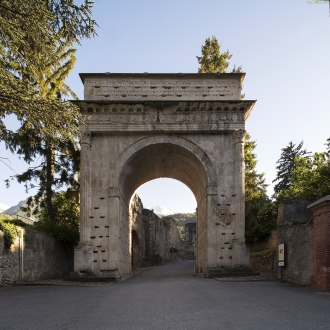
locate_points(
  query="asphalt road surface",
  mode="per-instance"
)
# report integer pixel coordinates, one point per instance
(165, 297)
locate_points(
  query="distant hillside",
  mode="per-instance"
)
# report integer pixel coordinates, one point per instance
(161, 210)
(183, 218)
(3, 207)
(16, 210)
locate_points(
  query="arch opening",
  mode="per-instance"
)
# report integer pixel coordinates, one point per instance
(171, 195)
(154, 217)
(162, 160)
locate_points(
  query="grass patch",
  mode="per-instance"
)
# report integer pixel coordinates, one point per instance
(262, 252)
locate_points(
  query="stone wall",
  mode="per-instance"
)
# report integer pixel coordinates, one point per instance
(190, 231)
(190, 240)
(271, 242)
(265, 263)
(295, 230)
(43, 257)
(321, 247)
(154, 240)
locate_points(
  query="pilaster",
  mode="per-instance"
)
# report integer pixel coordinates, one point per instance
(239, 184)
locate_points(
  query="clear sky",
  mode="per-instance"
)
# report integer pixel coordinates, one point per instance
(283, 46)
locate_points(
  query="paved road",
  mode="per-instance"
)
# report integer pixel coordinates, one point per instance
(165, 297)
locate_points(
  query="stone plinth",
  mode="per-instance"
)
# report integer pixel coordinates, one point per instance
(321, 240)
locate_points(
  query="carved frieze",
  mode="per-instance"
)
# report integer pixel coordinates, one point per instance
(181, 112)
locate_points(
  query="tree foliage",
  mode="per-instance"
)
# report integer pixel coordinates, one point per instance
(66, 226)
(255, 185)
(181, 220)
(309, 178)
(260, 211)
(212, 60)
(9, 230)
(58, 161)
(287, 164)
(30, 30)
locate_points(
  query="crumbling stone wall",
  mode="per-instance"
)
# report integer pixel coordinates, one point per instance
(295, 230)
(190, 240)
(190, 231)
(158, 239)
(264, 263)
(43, 257)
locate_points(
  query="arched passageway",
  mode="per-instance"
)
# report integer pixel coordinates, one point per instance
(187, 127)
(164, 159)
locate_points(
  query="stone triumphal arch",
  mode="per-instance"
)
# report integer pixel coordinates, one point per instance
(140, 127)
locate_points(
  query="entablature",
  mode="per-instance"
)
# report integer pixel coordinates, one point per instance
(166, 116)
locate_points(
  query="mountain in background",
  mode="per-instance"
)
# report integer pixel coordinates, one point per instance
(181, 218)
(161, 210)
(3, 207)
(16, 210)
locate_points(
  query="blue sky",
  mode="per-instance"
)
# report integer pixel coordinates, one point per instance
(283, 46)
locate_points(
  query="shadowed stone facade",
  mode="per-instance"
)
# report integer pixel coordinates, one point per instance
(189, 127)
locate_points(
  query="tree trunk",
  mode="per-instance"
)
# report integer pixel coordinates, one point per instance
(49, 183)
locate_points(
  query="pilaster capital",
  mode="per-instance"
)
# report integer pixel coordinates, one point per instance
(239, 136)
(85, 138)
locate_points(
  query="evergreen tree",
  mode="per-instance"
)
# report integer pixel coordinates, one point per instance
(212, 60)
(29, 31)
(58, 162)
(255, 185)
(310, 178)
(286, 165)
(260, 211)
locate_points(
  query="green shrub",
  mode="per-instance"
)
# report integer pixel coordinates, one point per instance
(9, 232)
(66, 228)
(61, 232)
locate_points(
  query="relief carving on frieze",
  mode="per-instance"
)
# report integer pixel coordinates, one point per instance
(183, 112)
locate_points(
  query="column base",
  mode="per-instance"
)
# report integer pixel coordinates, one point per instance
(83, 259)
